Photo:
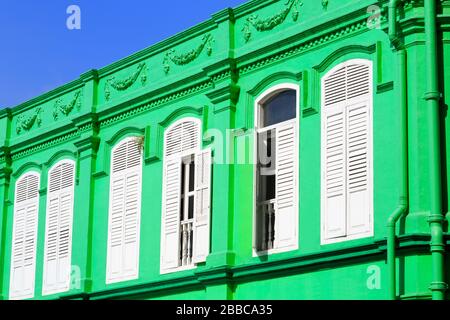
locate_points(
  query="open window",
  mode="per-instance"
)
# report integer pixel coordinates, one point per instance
(185, 228)
(276, 215)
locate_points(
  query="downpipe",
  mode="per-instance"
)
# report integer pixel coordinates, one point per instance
(436, 218)
(402, 207)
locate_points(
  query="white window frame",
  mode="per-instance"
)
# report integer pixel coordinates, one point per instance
(46, 291)
(260, 100)
(109, 279)
(368, 98)
(26, 295)
(179, 156)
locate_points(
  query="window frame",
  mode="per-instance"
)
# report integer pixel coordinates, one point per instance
(180, 156)
(258, 116)
(123, 278)
(45, 290)
(346, 104)
(25, 295)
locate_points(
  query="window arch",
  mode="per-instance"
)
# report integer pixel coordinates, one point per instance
(25, 224)
(347, 170)
(185, 223)
(58, 227)
(124, 210)
(276, 170)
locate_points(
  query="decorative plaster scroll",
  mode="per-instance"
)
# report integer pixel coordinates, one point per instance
(271, 22)
(188, 57)
(325, 4)
(124, 84)
(24, 122)
(67, 108)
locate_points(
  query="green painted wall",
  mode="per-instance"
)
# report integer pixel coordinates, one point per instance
(232, 64)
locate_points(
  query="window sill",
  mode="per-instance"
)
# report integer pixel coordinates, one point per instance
(178, 269)
(273, 251)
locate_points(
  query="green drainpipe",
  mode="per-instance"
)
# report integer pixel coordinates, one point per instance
(432, 97)
(402, 207)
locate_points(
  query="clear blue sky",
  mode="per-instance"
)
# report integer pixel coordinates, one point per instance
(39, 53)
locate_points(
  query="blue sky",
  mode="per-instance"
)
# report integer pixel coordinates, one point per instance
(39, 53)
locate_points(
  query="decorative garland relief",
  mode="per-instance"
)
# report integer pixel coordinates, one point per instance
(26, 122)
(267, 24)
(124, 84)
(66, 109)
(188, 57)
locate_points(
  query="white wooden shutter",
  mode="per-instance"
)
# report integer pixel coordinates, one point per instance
(170, 228)
(333, 172)
(347, 150)
(358, 159)
(182, 137)
(58, 235)
(124, 212)
(23, 256)
(286, 186)
(202, 216)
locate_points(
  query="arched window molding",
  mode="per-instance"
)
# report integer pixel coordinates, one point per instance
(347, 152)
(25, 226)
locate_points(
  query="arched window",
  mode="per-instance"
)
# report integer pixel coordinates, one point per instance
(124, 211)
(276, 216)
(185, 227)
(25, 224)
(347, 170)
(58, 227)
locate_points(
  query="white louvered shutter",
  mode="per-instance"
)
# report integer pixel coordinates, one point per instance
(334, 172)
(347, 150)
(124, 212)
(58, 236)
(358, 173)
(23, 256)
(286, 185)
(202, 216)
(170, 242)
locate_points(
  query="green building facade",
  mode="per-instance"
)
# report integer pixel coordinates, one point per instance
(354, 202)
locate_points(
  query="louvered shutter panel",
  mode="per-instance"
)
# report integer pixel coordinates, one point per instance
(170, 232)
(346, 150)
(58, 243)
(124, 212)
(182, 137)
(358, 173)
(333, 172)
(23, 256)
(202, 217)
(286, 186)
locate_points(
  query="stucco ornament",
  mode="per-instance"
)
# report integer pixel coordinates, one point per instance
(66, 109)
(188, 57)
(266, 24)
(24, 122)
(124, 84)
